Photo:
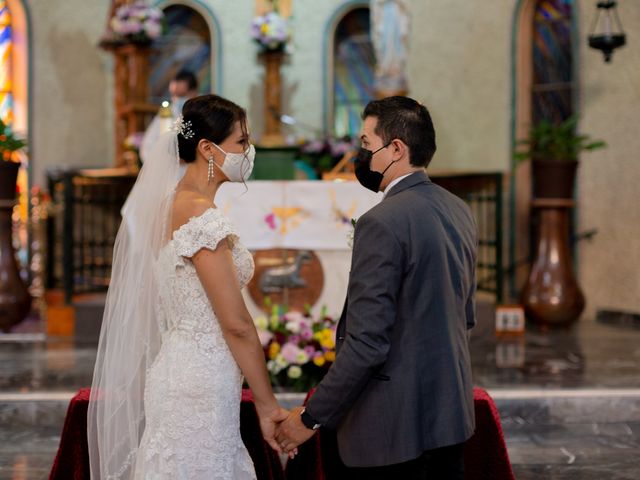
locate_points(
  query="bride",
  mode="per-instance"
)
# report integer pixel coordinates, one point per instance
(176, 337)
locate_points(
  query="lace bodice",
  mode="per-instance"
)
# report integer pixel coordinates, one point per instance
(193, 389)
(183, 302)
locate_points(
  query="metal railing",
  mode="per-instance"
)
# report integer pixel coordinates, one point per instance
(82, 228)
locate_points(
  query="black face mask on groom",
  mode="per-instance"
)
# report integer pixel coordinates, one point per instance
(367, 177)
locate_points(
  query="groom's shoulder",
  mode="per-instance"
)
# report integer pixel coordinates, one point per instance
(390, 209)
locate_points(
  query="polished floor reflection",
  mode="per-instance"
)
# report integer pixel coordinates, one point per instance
(569, 401)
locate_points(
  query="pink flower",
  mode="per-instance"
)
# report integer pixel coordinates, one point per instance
(306, 334)
(310, 351)
(294, 317)
(290, 352)
(265, 337)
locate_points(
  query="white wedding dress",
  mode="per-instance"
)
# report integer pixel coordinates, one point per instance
(193, 389)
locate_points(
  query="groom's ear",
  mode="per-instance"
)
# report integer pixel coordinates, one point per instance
(399, 149)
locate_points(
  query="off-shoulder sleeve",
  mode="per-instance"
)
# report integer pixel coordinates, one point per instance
(204, 231)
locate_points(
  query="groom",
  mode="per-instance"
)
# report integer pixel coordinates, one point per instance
(399, 393)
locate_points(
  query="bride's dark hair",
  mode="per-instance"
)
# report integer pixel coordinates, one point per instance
(212, 117)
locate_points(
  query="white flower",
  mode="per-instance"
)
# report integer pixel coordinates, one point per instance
(350, 236)
(294, 371)
(302, 357)
(293, 327)
(152, 28)
(273, 367)
(281, 362)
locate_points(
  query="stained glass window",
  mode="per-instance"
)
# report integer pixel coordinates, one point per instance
(186, 45)
(6, 97)
(354, 63)
(552, 90)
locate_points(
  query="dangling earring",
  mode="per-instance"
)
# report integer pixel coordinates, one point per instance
(210, 171)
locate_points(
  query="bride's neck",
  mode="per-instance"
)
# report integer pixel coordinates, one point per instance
(195, 179)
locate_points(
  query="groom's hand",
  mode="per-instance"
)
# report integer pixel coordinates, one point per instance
(292, 432)
(268, 424)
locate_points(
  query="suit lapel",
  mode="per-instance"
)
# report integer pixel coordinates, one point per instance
(342, 326)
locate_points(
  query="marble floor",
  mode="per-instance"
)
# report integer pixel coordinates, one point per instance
(569, 401)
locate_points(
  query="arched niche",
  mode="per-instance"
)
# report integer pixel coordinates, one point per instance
(349, 64)
(193, 42)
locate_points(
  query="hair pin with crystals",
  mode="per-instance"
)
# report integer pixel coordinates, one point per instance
(183, 128)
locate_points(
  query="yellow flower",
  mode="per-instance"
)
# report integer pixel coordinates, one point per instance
(326, 339)
(294, 371)
(330, 356)
(274, 350)
(261, 322)
(319, 360)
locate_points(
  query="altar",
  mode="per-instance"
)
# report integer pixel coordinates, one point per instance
(299, 232)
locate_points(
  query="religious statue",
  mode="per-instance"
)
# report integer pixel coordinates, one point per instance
(390, 34)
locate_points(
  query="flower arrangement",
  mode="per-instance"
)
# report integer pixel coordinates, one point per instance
(323, 154)
(133, 142)
(138, 23)
(299, 348)
(271, 31)
(131, 155)
(351, 234)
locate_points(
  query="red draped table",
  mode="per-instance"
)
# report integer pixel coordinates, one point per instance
(485, 453)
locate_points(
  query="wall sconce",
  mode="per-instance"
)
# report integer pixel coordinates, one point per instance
(610, 39)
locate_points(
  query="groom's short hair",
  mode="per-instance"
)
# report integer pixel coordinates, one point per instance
(405, 119)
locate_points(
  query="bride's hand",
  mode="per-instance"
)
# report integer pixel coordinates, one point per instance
(269, 420)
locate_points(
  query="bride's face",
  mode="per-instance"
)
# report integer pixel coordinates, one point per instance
(238, 141)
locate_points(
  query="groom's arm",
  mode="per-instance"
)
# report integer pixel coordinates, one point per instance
(374, 282)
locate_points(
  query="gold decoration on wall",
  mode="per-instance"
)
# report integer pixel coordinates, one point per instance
(284, 7)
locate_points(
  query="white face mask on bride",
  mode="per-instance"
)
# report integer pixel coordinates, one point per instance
(235, 167)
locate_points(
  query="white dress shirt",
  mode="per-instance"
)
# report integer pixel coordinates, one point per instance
(394, 182)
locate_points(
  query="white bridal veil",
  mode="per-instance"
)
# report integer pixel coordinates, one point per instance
(131, 335)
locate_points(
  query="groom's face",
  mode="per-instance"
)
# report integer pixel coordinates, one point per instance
(372, 142)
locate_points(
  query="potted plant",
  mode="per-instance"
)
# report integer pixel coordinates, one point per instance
(554, 150)
(9, 144)
(14, 296)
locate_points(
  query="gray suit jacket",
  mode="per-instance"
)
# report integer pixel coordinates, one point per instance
(401, 382)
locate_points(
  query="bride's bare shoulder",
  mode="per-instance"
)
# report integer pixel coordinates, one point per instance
(188, 204)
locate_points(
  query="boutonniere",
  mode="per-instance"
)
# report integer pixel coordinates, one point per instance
(351, 233)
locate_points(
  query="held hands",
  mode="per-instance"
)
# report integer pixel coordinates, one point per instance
(269, 422)
(291, 432)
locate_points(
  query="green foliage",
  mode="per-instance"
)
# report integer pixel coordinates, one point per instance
(555, 142)
(8, 142)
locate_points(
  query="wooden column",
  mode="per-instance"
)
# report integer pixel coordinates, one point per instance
(132, 112)
(272, 135)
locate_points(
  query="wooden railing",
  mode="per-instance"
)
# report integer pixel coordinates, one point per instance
(483, 193)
